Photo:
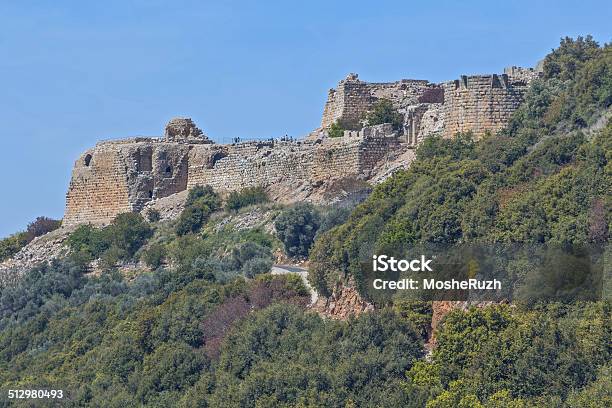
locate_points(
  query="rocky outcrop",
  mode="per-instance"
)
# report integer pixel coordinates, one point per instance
(41, 250)
(168, 208)
(343, 303)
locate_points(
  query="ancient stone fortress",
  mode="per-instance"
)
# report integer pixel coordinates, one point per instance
(124, 175)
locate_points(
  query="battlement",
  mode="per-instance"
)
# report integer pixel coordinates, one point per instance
(479, 82)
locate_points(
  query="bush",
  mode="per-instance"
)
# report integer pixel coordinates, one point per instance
(119, 240)
(154, 255)
(203, 195)
(245, 197)
(250, 259)
(335, 130)
(129, 232)
(9, 246)
(192, 219)
(333, 217)
(89, 241)
(201, 202)
(384, 112)
(41, 226)
(566, 61)
(296, 228)
(256, 266)
(184, 250)
(153, 215)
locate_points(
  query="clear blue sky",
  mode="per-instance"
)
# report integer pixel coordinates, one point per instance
(74, 72)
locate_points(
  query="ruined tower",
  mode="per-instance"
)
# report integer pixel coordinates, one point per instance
(481, 103)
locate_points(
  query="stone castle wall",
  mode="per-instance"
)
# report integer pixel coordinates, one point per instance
(233, 167)
(352, 99)
(477, 103)
(480, 103)
(98, 189)
(123, 176)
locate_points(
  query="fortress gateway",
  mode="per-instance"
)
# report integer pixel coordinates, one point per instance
(122, 176)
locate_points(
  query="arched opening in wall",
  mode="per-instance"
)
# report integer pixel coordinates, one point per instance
(87, 160)
(168, 171)
(215, 158)
(150, 194)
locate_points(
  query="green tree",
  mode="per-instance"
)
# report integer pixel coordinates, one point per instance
(201, 202)
(296, 228)
(336, 130)
(384, 112)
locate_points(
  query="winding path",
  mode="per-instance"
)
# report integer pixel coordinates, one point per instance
(302, 272)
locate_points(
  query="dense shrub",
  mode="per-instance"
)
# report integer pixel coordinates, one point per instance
(296, 228)
(129, 232)
(245, 197)
(9, 246)
(119, 240)
(333, 217)
(154, 255)
(41, 226)
(336, 130)
(251, 259)
(265, 290)
(186, 249)
(565, 61)
(384, 112)
(280, 356)
(89, 240)
(530, 343)
(201, 202)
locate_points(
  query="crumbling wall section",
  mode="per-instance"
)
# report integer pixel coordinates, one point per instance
(122, 176)
(352, 99)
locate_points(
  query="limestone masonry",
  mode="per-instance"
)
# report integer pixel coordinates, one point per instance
(122, 176)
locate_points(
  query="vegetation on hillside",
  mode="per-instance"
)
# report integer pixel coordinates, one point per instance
(546, 179)
(204, 325)
(245, 197)
(296, 228)
(336, 130)
(201, 202)
(9, 246)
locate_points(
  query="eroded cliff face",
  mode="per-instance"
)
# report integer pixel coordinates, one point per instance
(343, 303)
